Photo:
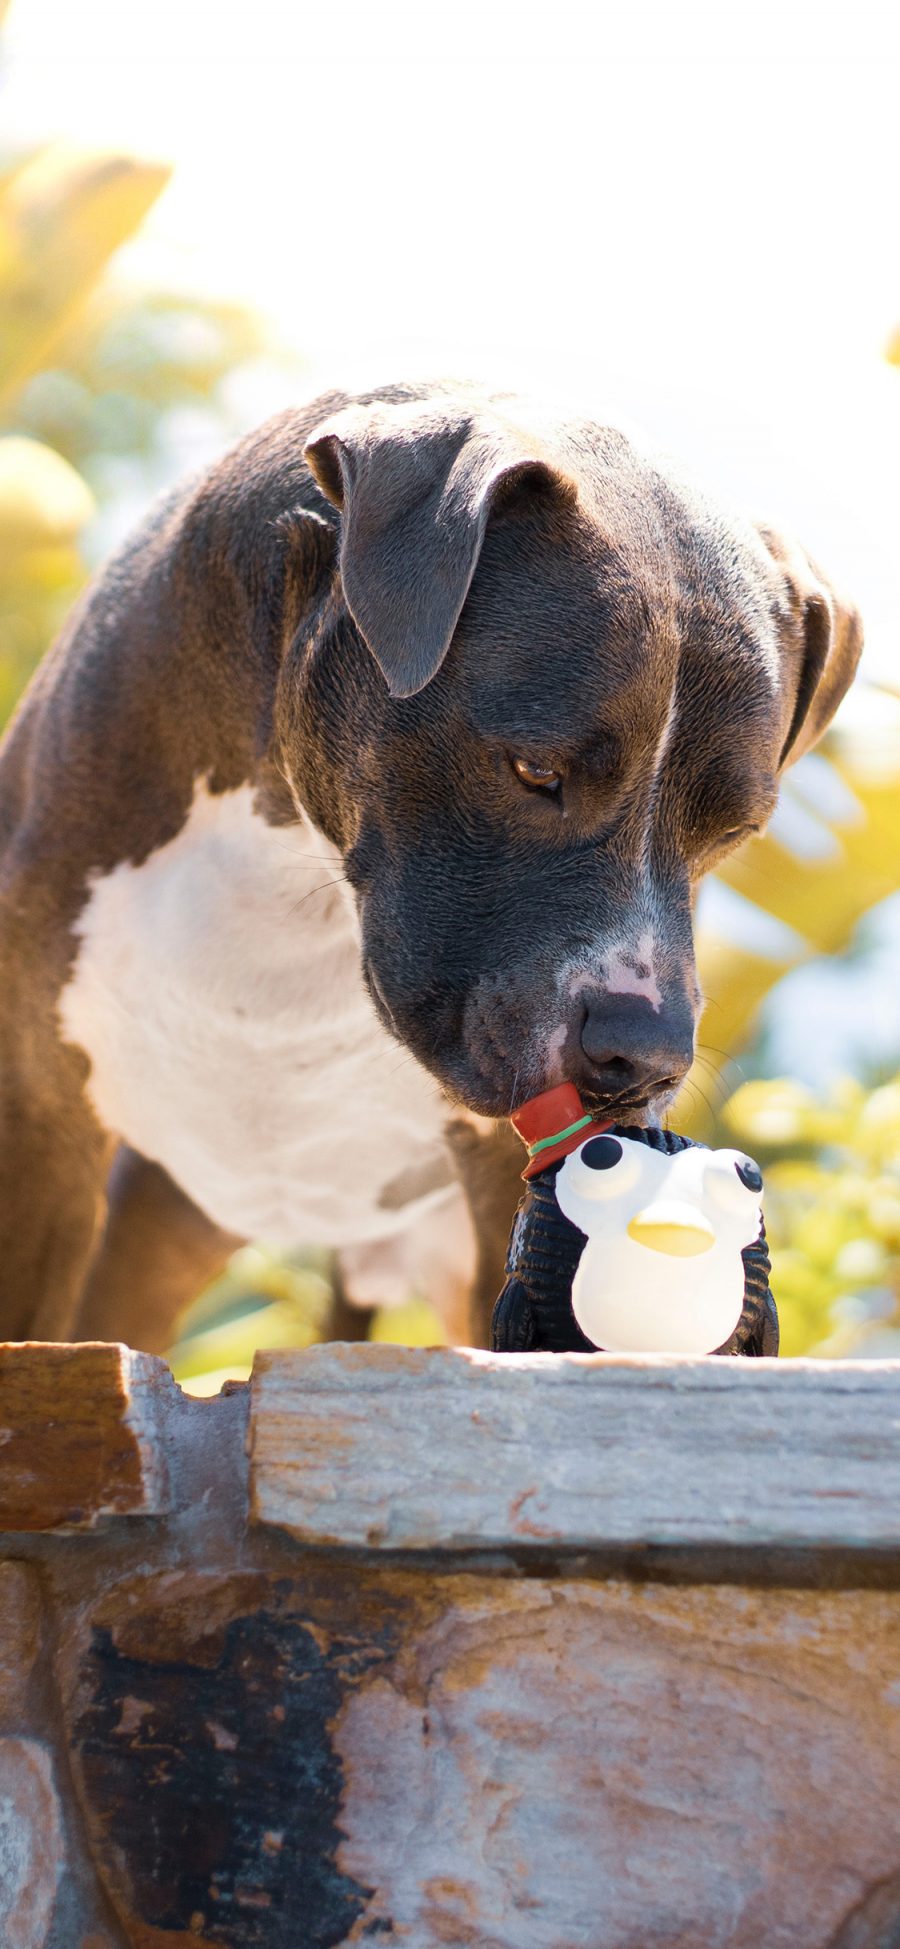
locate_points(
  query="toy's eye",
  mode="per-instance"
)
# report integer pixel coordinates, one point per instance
(601, 1153)
(728, 1176)
(601, 1169)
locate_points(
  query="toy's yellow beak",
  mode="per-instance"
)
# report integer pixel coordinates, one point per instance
(679, 1230)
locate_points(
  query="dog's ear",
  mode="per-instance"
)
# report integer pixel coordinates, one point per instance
(415, 483)
(820, 640)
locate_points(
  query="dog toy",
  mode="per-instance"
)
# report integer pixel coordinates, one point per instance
(632, 1241)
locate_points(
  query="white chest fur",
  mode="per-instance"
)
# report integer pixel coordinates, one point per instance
(218, 994)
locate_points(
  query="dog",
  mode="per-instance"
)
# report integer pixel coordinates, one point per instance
(365, 795)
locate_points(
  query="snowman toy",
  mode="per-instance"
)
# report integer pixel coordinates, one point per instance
(632, 1241)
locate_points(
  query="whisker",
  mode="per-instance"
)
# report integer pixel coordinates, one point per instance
(689, 1092)
(410, 1056)
(321, 888)
(728, 1063)
(512, 1094)
(703, 1096)
(714, 1070)
(308, 859)
(726, 1054)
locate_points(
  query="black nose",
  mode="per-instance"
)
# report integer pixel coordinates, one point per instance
(627, 1048)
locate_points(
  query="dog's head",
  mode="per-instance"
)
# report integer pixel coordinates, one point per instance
(548, 689)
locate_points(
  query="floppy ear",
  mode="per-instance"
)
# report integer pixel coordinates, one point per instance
(821, 641)
(415, 483)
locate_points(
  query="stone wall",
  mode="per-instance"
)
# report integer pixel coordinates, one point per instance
(445, 1648)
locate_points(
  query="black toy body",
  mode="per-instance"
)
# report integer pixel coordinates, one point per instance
(534, 1312)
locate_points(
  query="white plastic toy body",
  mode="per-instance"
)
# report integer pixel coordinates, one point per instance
(662, 1270)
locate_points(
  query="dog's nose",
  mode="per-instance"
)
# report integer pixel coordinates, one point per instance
(626, 1048)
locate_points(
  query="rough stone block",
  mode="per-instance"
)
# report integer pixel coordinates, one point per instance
(80, 1435)
(20, 1621)
(31, 1843)
(349, 1754)
(387, 1448)
(275, 1735)
(205, 1702)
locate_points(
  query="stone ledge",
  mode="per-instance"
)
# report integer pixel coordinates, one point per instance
(412, 1695)
(382, 1448)
(80, 1435)
(392, 1449)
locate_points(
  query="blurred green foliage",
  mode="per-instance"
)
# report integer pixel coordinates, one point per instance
(267, 1299)
(831, 1160)
(129, 363)
(263, 1300)
(832, 1173)
(91, 377)
(93, 380)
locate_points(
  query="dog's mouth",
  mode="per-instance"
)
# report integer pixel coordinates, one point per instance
(633, 1106)
(498, 1095)
(493, 1073)
(626, 1107)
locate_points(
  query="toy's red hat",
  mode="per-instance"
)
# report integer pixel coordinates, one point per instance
(552, 1124)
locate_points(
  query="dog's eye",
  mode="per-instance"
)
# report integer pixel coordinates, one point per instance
(725, 841)
(735, 834)
(538, 778)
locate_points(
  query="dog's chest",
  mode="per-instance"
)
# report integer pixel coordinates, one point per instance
(218, 994)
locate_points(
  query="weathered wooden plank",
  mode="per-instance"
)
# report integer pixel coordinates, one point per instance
(390, 1448)
(80, 1434)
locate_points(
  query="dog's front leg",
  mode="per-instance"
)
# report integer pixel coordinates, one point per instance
(54, 1158)
(156, 1252)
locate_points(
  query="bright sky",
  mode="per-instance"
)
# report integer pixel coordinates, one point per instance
(692, 211)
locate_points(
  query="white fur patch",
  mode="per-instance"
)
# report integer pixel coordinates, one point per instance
(218, 993)
(624, 967)
(621, 973)
(556, 1043)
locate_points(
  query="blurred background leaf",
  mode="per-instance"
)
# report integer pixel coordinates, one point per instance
(104, 388)
(62, 216)
(801, 1031)
(832, 1169)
